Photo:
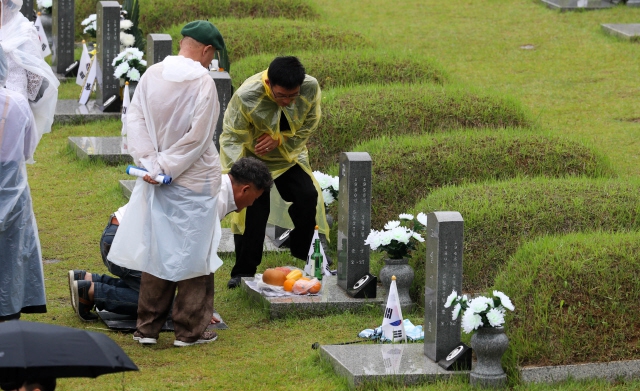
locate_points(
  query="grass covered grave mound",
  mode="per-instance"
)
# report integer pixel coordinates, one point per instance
(499, 217)
(406, 169)
(338, 68)
(248, 37)
(157, 15)
(576, 299)
(354, 115)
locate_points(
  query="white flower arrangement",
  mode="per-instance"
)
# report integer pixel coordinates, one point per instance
(399, 237)
(91, 25)
(480, 311)
(129, 65)
(330, 186)
(45, 4)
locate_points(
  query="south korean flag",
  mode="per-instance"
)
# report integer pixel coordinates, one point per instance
(126, 101)
(392, 324)
(44, 42)
(309, 267)
(85, 64)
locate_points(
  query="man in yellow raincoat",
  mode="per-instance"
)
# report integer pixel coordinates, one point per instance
(271, 117)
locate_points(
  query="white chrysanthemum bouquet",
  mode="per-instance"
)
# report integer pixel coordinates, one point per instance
(45, 5)
(129, 65)
(329, 185)
(398, 238)
(480, 311)
(90, 25)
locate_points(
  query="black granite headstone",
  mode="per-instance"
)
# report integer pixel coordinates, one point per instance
(158, 47)
(63, 31)
(354, 217)
(27, 9)
(225, 90)
(108, 41)
(443, 274)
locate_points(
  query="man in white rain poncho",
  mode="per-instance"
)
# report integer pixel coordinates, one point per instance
(171, 232)
(28, 74)
(21, 278)
(271, 117)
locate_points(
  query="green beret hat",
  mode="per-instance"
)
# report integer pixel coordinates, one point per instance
(204, 32)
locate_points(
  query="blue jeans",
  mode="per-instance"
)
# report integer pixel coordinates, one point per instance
(117, 295)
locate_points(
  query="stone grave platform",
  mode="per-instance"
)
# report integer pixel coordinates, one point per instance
(626, 31)
(107, 149)
(226, 242)
(575, 5)
(70, 111)
(331, 299)
(402, 364)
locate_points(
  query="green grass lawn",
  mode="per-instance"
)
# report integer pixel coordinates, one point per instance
(577, 82)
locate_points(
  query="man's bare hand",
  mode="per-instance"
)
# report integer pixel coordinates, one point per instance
(265, 144)
(215, 319)
(148, 179)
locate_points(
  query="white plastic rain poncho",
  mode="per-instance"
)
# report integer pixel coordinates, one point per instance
(29, 74)
(172, 231)
(21, 277)
(253, 112)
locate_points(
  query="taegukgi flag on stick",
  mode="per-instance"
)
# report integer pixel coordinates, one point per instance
(44, 42)
(85, 63)
(308, 268)
(392, 324)
(126, 101)
(88, 83)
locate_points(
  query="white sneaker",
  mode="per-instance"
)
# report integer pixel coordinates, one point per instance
(144, 340)
(206, 337)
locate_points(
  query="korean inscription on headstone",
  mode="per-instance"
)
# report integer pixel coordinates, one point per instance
(63, 30)
(108, 40)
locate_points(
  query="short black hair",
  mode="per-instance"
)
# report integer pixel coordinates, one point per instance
(45, 384)
(248, 170)
(286, 72)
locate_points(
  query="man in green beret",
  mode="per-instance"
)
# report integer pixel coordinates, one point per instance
(171, 232)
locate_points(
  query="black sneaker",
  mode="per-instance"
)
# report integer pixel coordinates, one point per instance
(234, 282)
(83, 305)
(74, 275)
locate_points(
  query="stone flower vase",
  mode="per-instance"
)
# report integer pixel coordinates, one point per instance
(404, 277)
(489, 344)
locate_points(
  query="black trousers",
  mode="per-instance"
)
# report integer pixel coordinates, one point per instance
(295, 186)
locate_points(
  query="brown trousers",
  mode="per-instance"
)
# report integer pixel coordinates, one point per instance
(192, 307)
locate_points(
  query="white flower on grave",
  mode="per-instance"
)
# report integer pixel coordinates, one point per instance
(134, 53)
(335, 183)
(450, 299)
(119, 57)
(328, 197)
(89, 20)
(92, 26)
(133, 74)
(504, 300)
(373, 240)
(121, 69)
(45, 3)
(471, 321)
(143, 62)
(323, 179)
(480, 304)
(406, 216)
(422, 218)
(417, 237)
(495, 317)
(125, 24)
(127, 39)
(400, 234)
(456, 312)
(392, 224)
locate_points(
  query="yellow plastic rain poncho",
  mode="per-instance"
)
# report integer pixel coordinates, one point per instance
(252, 112)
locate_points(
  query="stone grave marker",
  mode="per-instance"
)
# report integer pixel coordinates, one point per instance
(626, 31)
(108, 41)
(574, 5)
(63, 31)
(27, 9)
(158, 47)
(354, 217)
(443, 274)
(225, 91)
(107, 149)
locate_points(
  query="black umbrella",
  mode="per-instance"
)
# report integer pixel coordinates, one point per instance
(42, 350)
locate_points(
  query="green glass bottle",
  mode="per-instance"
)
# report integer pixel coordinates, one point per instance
(317, 260)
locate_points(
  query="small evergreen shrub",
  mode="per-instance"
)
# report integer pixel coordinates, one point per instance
(406, 169)
(500, 217)
(354, 115)
(340, 68)
(248, 37)
(576, 299)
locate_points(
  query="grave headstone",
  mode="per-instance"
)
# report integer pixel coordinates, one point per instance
(633, 3)
(27, 9)
(626, 31)
(108, 41)
(354, 217)
(443, 274)
(574, 5)
(158, 47)
(63, 31)
(225, 90)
